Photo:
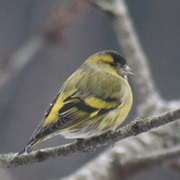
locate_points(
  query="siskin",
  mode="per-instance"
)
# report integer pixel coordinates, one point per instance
(94, 100)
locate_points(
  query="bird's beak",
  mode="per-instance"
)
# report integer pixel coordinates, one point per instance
(127, 70)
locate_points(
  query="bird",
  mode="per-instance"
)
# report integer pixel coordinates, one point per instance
(94, 100)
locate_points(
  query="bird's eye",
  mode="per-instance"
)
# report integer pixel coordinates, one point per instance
(112, 64)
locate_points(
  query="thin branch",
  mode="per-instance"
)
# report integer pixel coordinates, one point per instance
(88, 145)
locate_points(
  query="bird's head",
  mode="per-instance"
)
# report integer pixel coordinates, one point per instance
(111, 62)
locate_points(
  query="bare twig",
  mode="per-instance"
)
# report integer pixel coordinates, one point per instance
(134, 128)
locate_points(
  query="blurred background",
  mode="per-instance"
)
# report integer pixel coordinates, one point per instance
(68, 32)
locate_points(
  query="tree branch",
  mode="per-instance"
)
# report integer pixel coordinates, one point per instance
(88, 145)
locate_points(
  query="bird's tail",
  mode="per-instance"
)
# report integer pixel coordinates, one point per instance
(30, 146)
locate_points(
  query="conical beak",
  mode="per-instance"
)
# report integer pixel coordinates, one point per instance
(127, 70)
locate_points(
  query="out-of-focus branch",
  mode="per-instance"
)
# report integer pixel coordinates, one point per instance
(134, 128)
(19, 59)
(144, 162)
(51, 33)
(126, 167)
(60, 19)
